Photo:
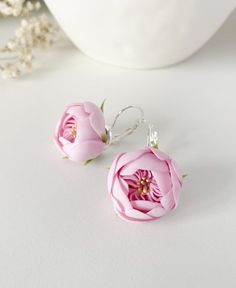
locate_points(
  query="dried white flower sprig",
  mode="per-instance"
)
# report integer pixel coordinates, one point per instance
(38, 32)
(17, 7)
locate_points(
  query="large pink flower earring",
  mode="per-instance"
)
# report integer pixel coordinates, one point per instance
(82, 135)
(144, 184)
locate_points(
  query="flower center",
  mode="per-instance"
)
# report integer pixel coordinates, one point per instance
(143, 185)
(73, 130)
(70, 129)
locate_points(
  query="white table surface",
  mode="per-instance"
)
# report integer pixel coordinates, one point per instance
(57, 225)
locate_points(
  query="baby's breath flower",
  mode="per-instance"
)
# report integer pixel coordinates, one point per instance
(38, 32)
(18, 7)
(10, 71)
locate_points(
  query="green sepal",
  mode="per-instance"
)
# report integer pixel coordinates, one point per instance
(104, 138)
(88, 161)
(102, 105)
(155, 146)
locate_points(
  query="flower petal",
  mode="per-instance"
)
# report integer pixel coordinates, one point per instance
(119, 194)
(129, 157)
(176, 184)
(85, 131)
(59, 131)
(157, 212)
(137, 215)
(96, 118)
(147, 161)
(143, 205)
(84, 151)
(123, 216)
(177, 170)
(163, 181)
(168, 201)
(159, 154)
(77, 110)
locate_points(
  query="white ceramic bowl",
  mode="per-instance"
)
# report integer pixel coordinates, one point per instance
(140, 33)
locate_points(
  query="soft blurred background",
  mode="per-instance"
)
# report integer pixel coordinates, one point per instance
(29, 31)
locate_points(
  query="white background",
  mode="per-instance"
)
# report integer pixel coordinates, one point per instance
(57, 225)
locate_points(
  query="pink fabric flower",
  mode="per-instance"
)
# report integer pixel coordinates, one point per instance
(144, 185)
(80, 132)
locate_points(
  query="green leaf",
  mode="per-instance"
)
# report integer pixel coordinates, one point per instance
(102, 105)
(184, 176)
(88, 161)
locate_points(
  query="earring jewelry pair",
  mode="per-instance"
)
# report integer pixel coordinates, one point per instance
(145, 184)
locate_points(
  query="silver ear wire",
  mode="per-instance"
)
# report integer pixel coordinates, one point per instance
(152, 136)
(118, 137)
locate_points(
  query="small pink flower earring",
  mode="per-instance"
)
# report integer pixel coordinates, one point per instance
(145, 184)
(81, 134)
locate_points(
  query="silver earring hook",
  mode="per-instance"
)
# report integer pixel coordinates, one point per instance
(152, 136)
(118, 137)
